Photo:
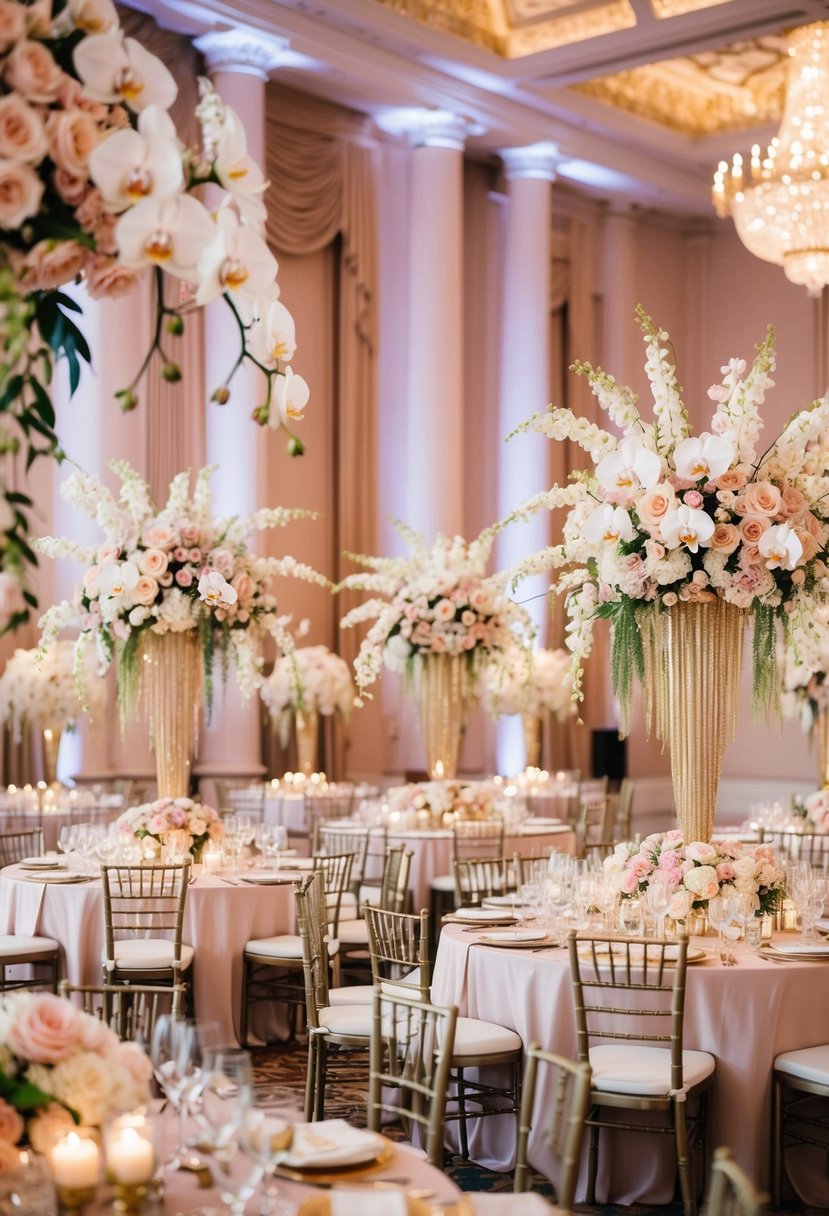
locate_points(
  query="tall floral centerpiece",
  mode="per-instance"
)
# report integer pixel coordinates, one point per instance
(168, 591)
(438, 618)
(805, 686)
(96, 183)
(677, 539)
(531, 686)
(309, 682)
(40, 690)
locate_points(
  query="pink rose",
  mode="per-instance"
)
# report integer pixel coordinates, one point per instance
(180, 554)
(106, 278)
(165, 579)
(762, 498)
(153, 562)
(20, 193)
(145, 590)
(136, 1062)
(11, 598)
(222, 560)
(12, 24)
(725, 871)
(444, 610)
(121, 629)
(184, 578)
(726, 538)
(31, 70)
(73, 136)
(50, 263)
(11, 1124)
(693, 498)
(242, 584)
(159, 536)
(195, 556)
(753, 527)
(629, 883)
(22, 134)
(653, 506)
(45, 1029)
(72, 189)
(190, 533)
(670, 598)
(792, 501)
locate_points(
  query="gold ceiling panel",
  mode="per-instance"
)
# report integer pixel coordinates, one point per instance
(704, 94)
(514, 28)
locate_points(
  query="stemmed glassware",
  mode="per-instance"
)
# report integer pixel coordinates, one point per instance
(658, 901)
(806, 887)
(177, 1055)
(267, 1136)
(721, 914)
(221, 1106)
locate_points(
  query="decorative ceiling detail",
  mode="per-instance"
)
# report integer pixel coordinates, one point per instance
(711, 92)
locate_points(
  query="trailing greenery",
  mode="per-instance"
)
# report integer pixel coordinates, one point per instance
(627, 654)
(127, 683)
(764, 664)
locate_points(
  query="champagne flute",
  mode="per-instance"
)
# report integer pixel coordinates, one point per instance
(267, 1136)
(221, 1103)
(176, 1054)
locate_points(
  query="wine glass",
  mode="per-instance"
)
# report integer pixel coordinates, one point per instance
(720, 915)
(658, 901)
(176, 1054)
(68, 838)
(267, 1136)
(221, 1102)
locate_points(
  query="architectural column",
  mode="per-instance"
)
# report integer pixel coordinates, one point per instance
(239, 64)
(622, 351)
(435, 464)
(524, 387)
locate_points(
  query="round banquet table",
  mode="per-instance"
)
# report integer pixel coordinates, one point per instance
(744, 1016)
(219, 917)
(432, 848)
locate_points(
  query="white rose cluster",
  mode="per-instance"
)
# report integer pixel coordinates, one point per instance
(538, 681)
(41, 689)
(311, 678)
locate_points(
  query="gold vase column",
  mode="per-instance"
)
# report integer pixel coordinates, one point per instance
(821, 729)
(307, 722)
(693, 656)
(532, 740)
(50, 739)
(171, 689)
(442, 689)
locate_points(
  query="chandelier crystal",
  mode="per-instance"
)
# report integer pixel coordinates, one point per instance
(780, 203)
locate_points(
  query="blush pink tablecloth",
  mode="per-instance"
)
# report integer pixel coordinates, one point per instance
(745, 1016)
(218, 919)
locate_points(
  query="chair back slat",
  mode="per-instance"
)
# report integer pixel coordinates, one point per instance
(478, 838)
(14, 846)
(312, 920)
(478, 878)
(398, 945)
(131, 1010)
(246, 796)
(563, 1119)
(394, 884)
(144, 901)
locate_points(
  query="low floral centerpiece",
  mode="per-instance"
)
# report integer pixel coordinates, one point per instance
(676, 538)
(159, 820)
(697, 872)
(433, 803)
(167, 592)
(438, 618)
(95, 183)
(60, 1068)
(310, 681)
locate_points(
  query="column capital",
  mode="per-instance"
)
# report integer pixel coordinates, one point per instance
(241, 51)
(533, 160)
(430, 128)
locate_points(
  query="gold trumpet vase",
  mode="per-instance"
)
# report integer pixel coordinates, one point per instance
(693, 655)
(442, 691)
(532, 740)
(307, 723)
(821, 729)
(50, 739)
(171, 689)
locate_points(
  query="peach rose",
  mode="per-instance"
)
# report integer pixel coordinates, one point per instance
(12, 24)
(20, 193)
(813, 524)
(11, 1124)
(731, 479)
(72, 189)
(50, 1125)
(810, 545)
(90, 211)
(792, 501)
(145, 590)
(159, 536)
(152, 561)
(73, 136)
(45, 1029)
(750, 556)
(762, 498)
(726, 538)
(242, 584)
(104, 233)
(22, 134)
(31, 70)
(654, 505)
(72, 97)
(753, 527)
(51, 263)
(106, 278)
(739, 506)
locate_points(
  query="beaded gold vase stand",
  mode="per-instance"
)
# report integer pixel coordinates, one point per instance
(441, 689)
(171, 686)
(307, 727)
(821, 729)
(532, 740)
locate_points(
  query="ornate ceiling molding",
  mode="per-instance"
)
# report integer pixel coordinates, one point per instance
(535, 160)
(241, 51)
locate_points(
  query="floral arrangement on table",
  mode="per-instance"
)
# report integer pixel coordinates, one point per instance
(666, 516)
(534, 684)
(438, 601)
(814, 810)
(465, 800)
(60, 1067)
(311, 678)
(697, 872)
(95, 183)
(39, 689)
(171, 570)
(157, 820)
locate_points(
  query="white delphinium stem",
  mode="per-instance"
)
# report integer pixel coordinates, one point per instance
(671, 418)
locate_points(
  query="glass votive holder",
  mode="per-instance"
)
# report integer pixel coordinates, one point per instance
(131, 1159)
(631, 917)
(75, 1162)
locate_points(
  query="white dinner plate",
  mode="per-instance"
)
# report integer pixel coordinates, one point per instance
(333, 1142)
(536, 827)
(695, 955)
(503, 901)
(490, 915)
(815, 950)
(56, 878)
(49, 862)
(513, 937)
(536, 821)
(271, 878)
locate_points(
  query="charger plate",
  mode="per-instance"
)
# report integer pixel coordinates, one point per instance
(54, 878)
(341, 1173)
(320, 1205)
(515, 939)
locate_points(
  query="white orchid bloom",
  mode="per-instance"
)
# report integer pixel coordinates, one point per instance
(629, 467)
(131, 165)
(116, 582)
(687, 526)
(289, 397)
(609, 524)
(273, 335)
(215, 590)
(703, 457)
(235, 261)
(114, 68)
(93, 16)
(780, 547)
(238, 172)
(167, 232)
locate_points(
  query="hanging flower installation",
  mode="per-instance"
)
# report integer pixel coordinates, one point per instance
(96, 185)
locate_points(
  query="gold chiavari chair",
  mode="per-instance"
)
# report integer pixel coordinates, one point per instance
(732, 1193)
(131, 1010)
(478, 878)
(15, 846)
(564, 1124)
(143, 922)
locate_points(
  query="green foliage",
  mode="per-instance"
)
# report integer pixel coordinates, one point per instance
(764, 664)
(627, 655)
(128, 675)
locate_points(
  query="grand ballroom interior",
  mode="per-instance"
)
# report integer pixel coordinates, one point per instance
(459, 200)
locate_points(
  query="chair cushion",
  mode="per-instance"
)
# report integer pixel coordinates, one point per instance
(150, 954)
(369, 893)
(12, 944)
(347, 1019)
(284, 945)
(352, 994)
(476, 1038)
(443, 882)
(407, 986)
(348, 905)
(810, 1064)
(633, 1069)
(353, 933)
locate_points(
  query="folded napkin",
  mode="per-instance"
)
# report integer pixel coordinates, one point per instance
(527, 1204)
(367, 1203)
(822, 924)
(331, 1142)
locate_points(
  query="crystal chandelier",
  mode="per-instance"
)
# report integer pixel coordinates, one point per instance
(780, 207)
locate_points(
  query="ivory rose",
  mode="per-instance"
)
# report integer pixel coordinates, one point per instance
(49, 1126)
(45, 1029)
(702, 882)
(20, 193)
(762, 498)
(654, 505)
(158, 536)
(22, 134)
(32, 71)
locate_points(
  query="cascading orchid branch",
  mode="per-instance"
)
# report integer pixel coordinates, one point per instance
(96, 186)
(666, 516)
(438, 601)
(172, 570)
